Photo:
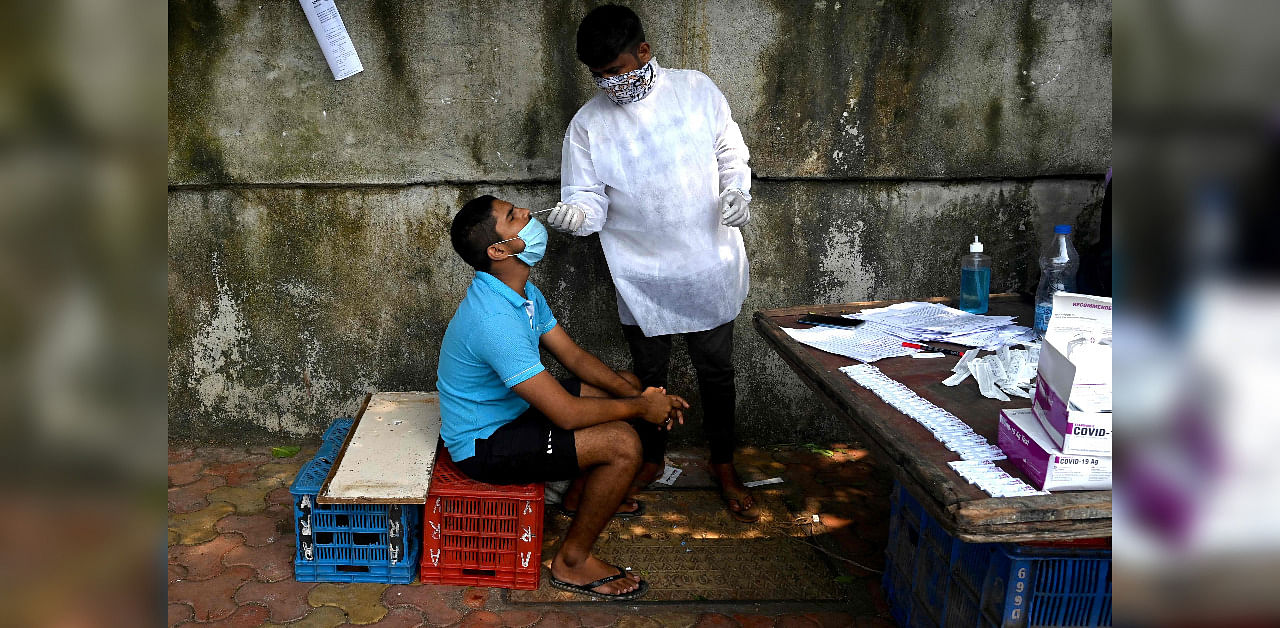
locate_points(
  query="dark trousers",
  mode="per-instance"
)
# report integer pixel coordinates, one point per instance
(711, 352)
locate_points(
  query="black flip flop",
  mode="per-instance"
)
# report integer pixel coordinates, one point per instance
(587, 589)
(617, 515)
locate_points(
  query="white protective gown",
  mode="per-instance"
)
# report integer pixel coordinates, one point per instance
(649, 174)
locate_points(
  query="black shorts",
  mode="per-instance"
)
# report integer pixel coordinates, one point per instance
(528, 449)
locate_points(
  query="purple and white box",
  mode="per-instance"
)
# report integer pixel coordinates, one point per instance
(1073, 382)
(1028, 446)
(1072, 430)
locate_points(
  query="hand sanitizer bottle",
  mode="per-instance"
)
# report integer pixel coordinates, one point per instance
(975, 279)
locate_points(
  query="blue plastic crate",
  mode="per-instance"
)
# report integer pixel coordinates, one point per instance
(333, 437)
(1032, 586)
(962, 608)
(932, 573)
(933, 579)
(899, 570)
(969, 563)
(337, 430)
(921, 616)
(351, 542)
(897, 582)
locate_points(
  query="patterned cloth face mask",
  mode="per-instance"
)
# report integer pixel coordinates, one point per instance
(629, 87)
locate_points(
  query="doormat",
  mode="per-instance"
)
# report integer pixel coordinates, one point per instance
(689, 549)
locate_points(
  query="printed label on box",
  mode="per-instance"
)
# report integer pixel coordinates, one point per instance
(1078, 433)
(1079, 471)
(1028, 446)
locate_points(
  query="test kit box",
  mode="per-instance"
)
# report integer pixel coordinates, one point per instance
(1074, 431)
(1073, 381)
(1027, 445)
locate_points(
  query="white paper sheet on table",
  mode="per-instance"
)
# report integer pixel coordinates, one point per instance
(931, 322)
(860, 343)
(932, 317)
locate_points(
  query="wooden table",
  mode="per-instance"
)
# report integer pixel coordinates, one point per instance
(919, 461)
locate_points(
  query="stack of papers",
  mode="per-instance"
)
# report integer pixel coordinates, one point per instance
(861, 343)
(887, 327)
(932, 322)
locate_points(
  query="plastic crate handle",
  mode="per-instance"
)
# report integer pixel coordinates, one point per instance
(395, 540)
(304, 528)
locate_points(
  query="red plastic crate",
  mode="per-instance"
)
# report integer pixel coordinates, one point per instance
(480, 534)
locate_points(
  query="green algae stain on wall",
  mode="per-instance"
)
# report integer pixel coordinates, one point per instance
(285, 303)
(922, 230)
(991, 122)
(796, 118)
(1030, 37)
(392, 23)
(294, 302)
(560, 89)
(271, 349)
(196, 43)
(844, 86)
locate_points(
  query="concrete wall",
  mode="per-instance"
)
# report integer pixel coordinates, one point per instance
(308, 251)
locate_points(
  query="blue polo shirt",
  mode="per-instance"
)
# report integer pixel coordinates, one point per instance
(490, 345)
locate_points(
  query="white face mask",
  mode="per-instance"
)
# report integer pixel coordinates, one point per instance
(629, 87)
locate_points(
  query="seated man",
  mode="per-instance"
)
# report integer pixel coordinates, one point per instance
(506, 420)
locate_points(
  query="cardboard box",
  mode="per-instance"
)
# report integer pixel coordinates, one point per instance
(1073, 380)
(1075, 431)
(1029, 448)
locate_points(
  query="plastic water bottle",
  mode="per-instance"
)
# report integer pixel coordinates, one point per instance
(975, 279)
(1058, 266)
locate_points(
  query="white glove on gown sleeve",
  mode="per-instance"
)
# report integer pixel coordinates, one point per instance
(733, 208)
(567, 217)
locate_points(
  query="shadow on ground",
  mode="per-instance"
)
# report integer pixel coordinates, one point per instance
(231, 547)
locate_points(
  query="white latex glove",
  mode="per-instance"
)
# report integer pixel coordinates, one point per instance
(733, 208)
(567, 217)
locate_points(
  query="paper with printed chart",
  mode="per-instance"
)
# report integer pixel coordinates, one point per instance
(859, 343)
(932, 322)
(333, 38)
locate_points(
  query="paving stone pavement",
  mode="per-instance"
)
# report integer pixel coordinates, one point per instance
(231, 547)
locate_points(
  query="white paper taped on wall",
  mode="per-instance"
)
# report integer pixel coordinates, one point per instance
(332, 35)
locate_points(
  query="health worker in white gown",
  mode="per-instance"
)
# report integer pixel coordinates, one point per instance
(656, 165)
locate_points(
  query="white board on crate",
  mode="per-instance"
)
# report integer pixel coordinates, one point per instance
(390, 453)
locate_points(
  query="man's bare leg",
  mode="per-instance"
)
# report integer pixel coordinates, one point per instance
(610, 454)
(646, 475)
(574, 494)
(649, 471)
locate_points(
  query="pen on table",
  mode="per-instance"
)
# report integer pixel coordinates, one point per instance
(929, 348)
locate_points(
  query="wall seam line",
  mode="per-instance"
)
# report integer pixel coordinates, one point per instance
(175, 187)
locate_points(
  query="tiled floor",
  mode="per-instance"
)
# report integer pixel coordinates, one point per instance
(231, 551)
